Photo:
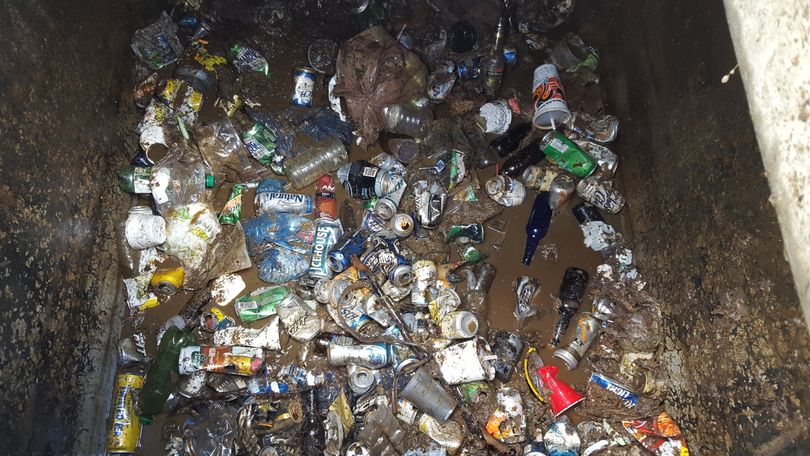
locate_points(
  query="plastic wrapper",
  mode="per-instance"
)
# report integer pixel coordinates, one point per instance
(213, 432)
(190, 230)
(178, 179)
(157, 43)
(222, 148)
(283, 243)
(658, 434)
(374, 71)
(279, 266)
(314, 124)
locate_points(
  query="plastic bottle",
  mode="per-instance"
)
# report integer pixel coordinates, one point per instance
(158, 384)
(507, 143)
(316, 160)
(516, 164)
(408, 119)
(537, 226)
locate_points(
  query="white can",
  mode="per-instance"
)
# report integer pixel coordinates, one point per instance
(144, 229)
(505, 191)
(459, 325)
(548, 97)
(600, 194)
(469, 361)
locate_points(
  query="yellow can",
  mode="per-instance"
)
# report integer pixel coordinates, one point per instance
(168, 281)
(125, 430)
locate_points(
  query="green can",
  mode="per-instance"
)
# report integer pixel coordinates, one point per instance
(232, 211)
(567, 155)
(471, 255)
(472, 392)
(260, 303)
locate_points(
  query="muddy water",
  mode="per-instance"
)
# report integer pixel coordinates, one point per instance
(564, 240)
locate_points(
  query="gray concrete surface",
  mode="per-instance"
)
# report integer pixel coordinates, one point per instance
(772, 43)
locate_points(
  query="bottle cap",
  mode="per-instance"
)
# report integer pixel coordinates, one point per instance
(209, 181)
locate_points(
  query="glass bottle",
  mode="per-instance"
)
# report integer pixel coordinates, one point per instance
(537, 226)
(528, 156)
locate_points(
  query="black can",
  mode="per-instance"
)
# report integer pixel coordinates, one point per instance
(507, 346)
(358, 179)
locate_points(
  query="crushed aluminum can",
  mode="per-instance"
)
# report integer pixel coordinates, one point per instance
(361, 379)
(627, 396)
(472, 392)
(510, 55)
(192, 385)
(601, 195)
(213, 319)
(334, 102)
(406, 411)
(601, 130)
(267, 337)
(562, 439)
(327, 233)
(465, 234)
(357, 449)
(561, 190)
(341, 256)
(540, 177)
(507, 347)
(536, 447)
(505, 191)
(430, 200)
(459, 325)
(299, 319)
(303, 87)
(606, 159)
(440, 84)
(465, 362)
(508, 422)
(526, 288)
(471, 255)
(128, 354)
(447, 301)
(401, 225)
(401, 276)
(496, 117)
(470, 68)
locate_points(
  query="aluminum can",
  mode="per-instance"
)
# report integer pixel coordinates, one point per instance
(372, 356)
(361, 379)
(357, 449)
(587, 330)
(125, 430)
(303, 86)
(372, 222)
(280, 202)
(459, 325)
(430, 200)
(605, 158)
(507, 347)
(473, 392)
(510, 55)
(510, 419)
(359, 178)
(567, 155)
(561, 190)
(402, 225)
(602, 130)
(385, 208)
(629, 398)
(401, 276)
(505, 191)
(540, 177)
(244, 361)
(327, 233)
(470, 68)
(586, 212)
(340, 258)
(168, 281)
(601, 195)
(325, 202)
(548, 97)
(465, 234)
(536, 448)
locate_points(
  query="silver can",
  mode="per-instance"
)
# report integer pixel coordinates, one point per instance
(600, 194)
(459, 325)
(561, 190)
(401, 276)
(303, 86)
(374, 356)
(505, 191)
(605, 158)
(402, 225)
(361, 379)
(385, 208)
(540, 177)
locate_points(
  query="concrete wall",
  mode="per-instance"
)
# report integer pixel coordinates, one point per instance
(63, 69)
(706, 234)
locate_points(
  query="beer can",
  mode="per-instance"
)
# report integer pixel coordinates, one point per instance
(561, 190)
(125, 430)
(372, 356)
(601, 195)
(507, 347)
(430, 201)
(168, 281)
(361, 379)
(327, 233)
(402, 225)
(340, 258)
(401, 275)
(605, 158)
(548, 97)
(470, 68)
(540, 177)
(505, 191)
(385, 208)
(303, 86)
(629, 398)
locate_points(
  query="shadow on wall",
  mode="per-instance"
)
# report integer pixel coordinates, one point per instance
(707, 239)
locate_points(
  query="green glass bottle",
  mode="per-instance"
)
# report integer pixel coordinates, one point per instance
(135, 179)
(567, 155)
(158, 384)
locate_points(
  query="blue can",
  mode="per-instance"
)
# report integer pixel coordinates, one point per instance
(327, 233)
(510, 55)
(303, 87)
(469, 68)
(629, 397)
(341, 257)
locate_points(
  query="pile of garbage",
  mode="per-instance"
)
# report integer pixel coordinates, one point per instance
(369, 331)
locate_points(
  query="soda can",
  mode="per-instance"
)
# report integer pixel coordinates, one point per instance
(361, 379)
(280, 202)
(168, 281)
(459, 325)
(325, 202)
(601, 195)
(510, 55)
(327, 233)
(505, 191)
(470, 68)
(341, 256)
(125, 430)
(470, 255)
(566, 154)
(372, 356)
(465, 234)
(507, 347)
(303, 86)
(473, 392)
(401, 225)
(629, 398)
(561, 190)
(548, 97)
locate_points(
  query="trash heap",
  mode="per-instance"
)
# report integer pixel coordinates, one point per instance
(362, 209)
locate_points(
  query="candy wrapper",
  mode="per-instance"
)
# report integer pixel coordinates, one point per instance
(659, 434)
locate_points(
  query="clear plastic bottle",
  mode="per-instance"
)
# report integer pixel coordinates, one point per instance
(408, 119)
(316, 160)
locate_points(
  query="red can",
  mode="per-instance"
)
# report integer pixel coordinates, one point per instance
(325, 202)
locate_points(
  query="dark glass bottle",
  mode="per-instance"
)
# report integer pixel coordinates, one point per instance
(528, 156)
(537, 226)
(507, 143)
(158, 384)
(312, 430)
(572, 290)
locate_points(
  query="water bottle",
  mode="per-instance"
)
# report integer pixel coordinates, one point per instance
(316, 160)
(408, 119)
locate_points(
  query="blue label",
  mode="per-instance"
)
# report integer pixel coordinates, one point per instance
(630, 398)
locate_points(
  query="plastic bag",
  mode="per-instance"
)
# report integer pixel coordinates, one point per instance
(190, 230)
(318, 124)
(178, 180)
(221, 147)
(291, 231)
(373, 71)
(157, 43)
(213, 432)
